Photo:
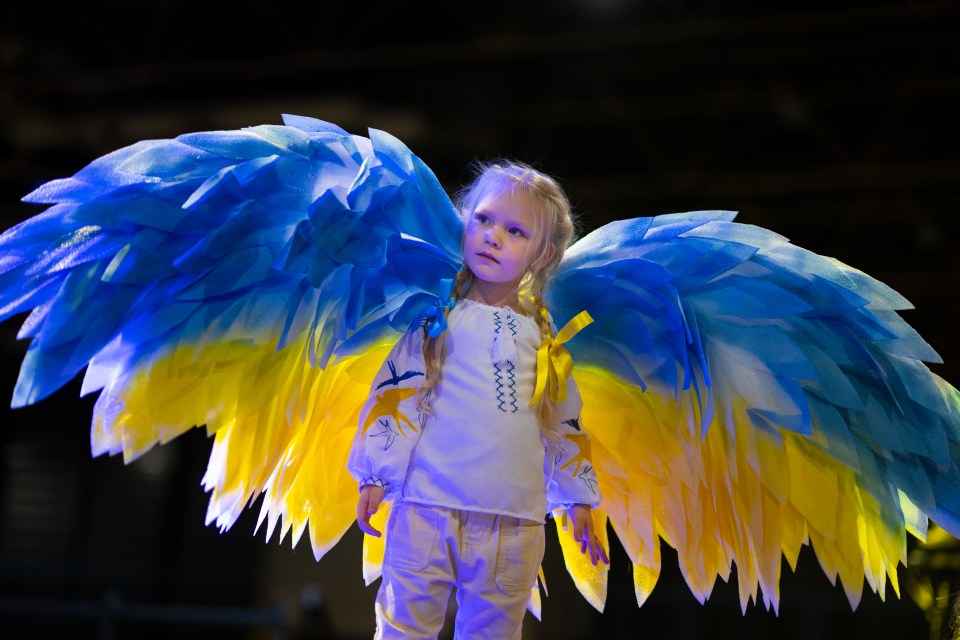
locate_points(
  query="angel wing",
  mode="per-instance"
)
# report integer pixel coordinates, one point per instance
(746, 397)
(250, 281)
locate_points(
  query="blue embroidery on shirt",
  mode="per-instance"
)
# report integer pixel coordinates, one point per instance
(512, 384)
(421, 416)
(507, 371)
(394, 379)
(589, 478)
(512, 325)
(498, 380)
(389, 434)
(497, 371)
(383, 484)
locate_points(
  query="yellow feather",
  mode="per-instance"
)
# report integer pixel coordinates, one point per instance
(590, 579)
(740, 494)
(373, 547)
(281, 428)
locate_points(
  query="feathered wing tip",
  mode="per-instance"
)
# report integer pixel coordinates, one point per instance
(373, 548)
(590, 579)
(243, 280)
(746, 397)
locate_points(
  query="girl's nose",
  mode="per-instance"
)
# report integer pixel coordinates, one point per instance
(492, 238)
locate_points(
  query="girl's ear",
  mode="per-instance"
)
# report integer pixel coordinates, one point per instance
(544, 260)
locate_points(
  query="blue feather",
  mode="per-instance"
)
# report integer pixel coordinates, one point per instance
(205, 237)
(814, 347)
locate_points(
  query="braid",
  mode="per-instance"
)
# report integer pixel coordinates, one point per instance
(546, 409)
(434, 349)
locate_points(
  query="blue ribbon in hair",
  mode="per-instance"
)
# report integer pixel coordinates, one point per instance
(435, 318)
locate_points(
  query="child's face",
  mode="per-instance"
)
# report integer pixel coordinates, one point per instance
(498, 239)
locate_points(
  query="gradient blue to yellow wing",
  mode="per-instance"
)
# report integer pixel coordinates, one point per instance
(249, 281)
(746, 397)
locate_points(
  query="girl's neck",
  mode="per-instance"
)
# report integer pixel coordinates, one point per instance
(494, 294)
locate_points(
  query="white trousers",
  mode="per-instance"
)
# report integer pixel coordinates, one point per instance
(491, 559)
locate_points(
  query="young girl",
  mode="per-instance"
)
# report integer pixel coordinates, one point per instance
(462, 435)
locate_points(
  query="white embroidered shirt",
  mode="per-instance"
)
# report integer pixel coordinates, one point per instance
(481, 448)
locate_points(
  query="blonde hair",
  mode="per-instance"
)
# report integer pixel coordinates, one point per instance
(553, 231)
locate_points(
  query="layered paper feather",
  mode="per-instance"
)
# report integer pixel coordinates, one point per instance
(745, 397)
(248, 281)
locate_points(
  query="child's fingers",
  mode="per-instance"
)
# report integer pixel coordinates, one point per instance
(363, 521)
(589, 542)
(578, 529)
(367, 505)
(603, 553)
(366, 527)
(583, 533)
(597, 554)
(373, 504)
(592, 546)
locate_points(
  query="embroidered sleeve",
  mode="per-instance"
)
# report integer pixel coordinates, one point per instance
(573, 479)
(378, 482)
(390, 422)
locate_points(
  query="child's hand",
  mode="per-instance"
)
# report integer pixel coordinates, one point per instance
(583, 533)
(369, 503)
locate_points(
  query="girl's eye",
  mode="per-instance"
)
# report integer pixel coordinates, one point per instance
(482, 218)
(516, 231)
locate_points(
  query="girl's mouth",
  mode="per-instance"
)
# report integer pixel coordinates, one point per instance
(488, 257)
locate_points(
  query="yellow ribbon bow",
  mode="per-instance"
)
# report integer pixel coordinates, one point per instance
(554, 363)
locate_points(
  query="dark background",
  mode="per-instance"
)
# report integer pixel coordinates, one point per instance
(834, 124)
